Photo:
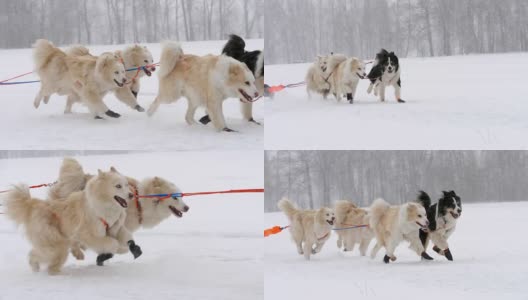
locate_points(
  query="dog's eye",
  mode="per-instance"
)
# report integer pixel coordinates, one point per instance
(247, 82)
(119, 186)
(116, 72)
(146, 61)
(419, 216)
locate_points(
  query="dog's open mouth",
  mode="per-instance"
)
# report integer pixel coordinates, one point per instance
(175, 211)
(147, 71)
(121, 201)
(323, 69)
(424, 227)
(331, 222)
(455, 215)
(118, 83)
(360, 76)
(246, 96)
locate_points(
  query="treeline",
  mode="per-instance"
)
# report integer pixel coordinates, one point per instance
(298, 30)
(126, 21)
(319, 178)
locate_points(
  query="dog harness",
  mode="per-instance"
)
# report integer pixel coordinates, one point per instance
(324, 236)
(104, 223)
(138, 205)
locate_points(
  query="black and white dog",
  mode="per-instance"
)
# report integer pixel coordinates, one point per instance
(442, 217)
(385, 72)
(254, 60)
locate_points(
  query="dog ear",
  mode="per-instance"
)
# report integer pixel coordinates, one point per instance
(234, 70)
(156, 181)
(101, 63)
(100, 173)
(112, 169)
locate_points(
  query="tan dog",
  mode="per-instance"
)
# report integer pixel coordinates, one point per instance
(345, 79)
(132, 57)
(310, 229)
(318, 75)
(82, 78)
(92, 217)
(349, 215)
(146, 213)
(394, 224)
(205, 81)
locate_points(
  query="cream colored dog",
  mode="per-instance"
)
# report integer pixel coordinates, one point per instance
(394, 224)
(345, 79)
(205, 81)
(82, 78)
(93, 217)
(318, 75)
(146, 213)
(349, 215)
(310, 229)
(132, 57)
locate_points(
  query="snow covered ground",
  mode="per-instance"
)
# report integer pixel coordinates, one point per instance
(213, 252)
(488, 249)
(459, 102)
(24, 127)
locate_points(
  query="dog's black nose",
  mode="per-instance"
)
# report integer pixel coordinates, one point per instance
(186, 208)
(256, 94)
(130, 195)
(153, 69)
(426, 223)
(124, 80)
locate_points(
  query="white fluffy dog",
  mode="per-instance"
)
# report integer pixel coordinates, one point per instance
(146, 213)
(318, 75)
(349, 215)
(204, 81)
(310, 229)
(394, 224)
(80, 77)
(93, 217)
(345, 79)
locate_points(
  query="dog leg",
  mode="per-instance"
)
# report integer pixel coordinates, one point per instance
(154, 106)
(38, 98)
(46, 99)
(363, 246)
(397, 91)
(247, 112)
(69, 103)
(299, 247)
(58, 260)
(34, 260)
(125, 95)
(375, 250)
(191, 111)
(101, 258)
(391, 247)
(318, 247)
(371, 86)
(214, 107)
(76, 251)
(307, 250)
(96, 105)
(382, 92)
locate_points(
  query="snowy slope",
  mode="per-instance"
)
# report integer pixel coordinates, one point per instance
(460, 102)
(24, 127)
(489, 264)
(213, 252)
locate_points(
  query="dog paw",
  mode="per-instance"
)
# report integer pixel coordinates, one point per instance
(438, 250)
(448, 254)
(135, 94)
(253, 121)
(101, 258)
(426, 256)
(112, 114)
(386, 259)
(401, 101)
(134, 249)
(139, 108)
(205, 120)
(226, 129)
(98, 118)
(78, 254)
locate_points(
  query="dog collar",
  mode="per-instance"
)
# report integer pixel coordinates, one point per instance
(104, 223)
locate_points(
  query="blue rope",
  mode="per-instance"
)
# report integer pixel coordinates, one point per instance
(165, 195)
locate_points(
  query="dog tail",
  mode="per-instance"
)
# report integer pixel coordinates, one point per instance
(424, 199)
(19, 204)
(71, 179)
(42, 52)
(235, 47)
(341, 209)
(288, 208)
(377, 210)
(78, 50)
(171, 53)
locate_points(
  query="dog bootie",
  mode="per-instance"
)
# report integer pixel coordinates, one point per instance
(350, 98)
(426, 256)
(448, 255)
(386, 259)
(401, 101)
(134, 249)
(112, 114)
(139, 108)
(101, 258)
(205, 119)
(135, 94)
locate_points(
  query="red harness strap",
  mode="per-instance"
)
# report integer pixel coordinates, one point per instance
(138, 204)
(104, 223)
(323, 236)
